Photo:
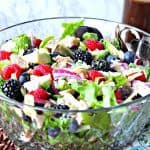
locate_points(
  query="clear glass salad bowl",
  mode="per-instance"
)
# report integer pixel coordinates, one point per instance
(106, 128)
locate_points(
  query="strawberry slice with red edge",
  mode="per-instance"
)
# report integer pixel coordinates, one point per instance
(93, 44)
(11, 69)
(93, 74)
(4, 55)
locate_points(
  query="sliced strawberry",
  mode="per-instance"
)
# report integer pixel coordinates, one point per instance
(11, 69)
(36, 42)
(93, 45)
(93, 74)
(4, 55)
(142, 77)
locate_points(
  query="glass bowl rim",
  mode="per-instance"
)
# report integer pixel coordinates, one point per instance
(21, 105)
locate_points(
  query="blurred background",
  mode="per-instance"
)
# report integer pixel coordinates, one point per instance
(15, 11)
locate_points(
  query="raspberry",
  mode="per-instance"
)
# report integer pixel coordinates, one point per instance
(4, 55)
(42, 69)
(93, 74)
(11, 69)
(93, 45)
(40, 95)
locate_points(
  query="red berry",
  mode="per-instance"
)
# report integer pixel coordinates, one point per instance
(142, 77)
(42, 69)
(4, 55)
(11, 69)
(93, 45)
(40, 95)
(36, 42)
(93, 74)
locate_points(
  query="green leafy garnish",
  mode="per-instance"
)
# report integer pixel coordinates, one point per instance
(88, 91)
(21, 43)
(71, 27)
(88, 35)
(45, 41)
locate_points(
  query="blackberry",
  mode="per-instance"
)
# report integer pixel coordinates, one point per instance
(59, 106)
(101, 65)
(84, 56)
(58, 114)
(11, 89)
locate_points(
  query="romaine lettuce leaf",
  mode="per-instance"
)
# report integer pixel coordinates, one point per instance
(70, 28)
(120, 80)
(88, 91)
(109, 98)
(22, 42)
(45, 41)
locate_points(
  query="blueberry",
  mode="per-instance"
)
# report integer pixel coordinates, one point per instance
(24, 77)
(73, 126)
(129, 57)
(53, 132)
(112, 58)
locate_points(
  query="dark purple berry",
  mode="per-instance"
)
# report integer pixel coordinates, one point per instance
(73, 126)
(53, 132)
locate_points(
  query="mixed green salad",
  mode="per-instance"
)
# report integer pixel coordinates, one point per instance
(79, 71)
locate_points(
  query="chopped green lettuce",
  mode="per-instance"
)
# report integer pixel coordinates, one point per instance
(70, 28)
(88, 91)
(113, 50)
(21, 42)
(109, 98)
(45, 41)
(2, 81)
(88, 35)
(120, 80)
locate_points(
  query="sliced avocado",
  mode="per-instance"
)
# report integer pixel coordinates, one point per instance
(39, 56)
(63, 50)
(100, 54)
(45, 81)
